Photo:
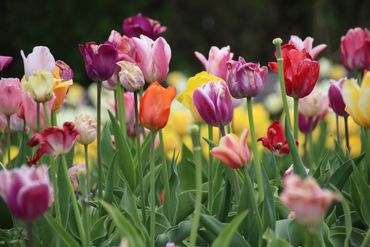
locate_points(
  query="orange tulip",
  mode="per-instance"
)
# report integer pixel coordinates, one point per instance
(155, 106)
(60, 89)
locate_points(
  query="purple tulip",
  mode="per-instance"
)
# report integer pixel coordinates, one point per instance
(5, 61)
(137, 25)
(246, 79)
(65, 72)
(26, 191)
(214, 104)
(336, 98)
(100, 60)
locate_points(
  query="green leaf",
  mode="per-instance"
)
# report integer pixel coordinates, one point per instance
(174, 234)
(273, 240)
(60, 231)
(63, 194)
(269, 215)
(210, 143)
(225, 237)
(171, 202)
(99, 229)
(124, 226)
(109, 182)
(126, 163)
(25, 151)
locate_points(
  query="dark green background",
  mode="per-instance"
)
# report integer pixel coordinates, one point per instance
(247, 26)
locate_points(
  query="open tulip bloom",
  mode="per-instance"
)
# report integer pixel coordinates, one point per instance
(187, 170)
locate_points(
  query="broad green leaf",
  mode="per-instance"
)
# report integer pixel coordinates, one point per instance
(63, 194)
(171, 202)
(364, 193)
(175, 234)
(225, 237)
(109, 181)
(60, 231)
(269, 214)
(99, 229)
(273, 240)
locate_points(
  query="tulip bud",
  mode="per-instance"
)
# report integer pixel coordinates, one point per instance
(66, 73)
(355, 49)
(336, 98)
(311, 105)
(130, 76)
(27, 191)
(40, 86)
(11, 95)
(86, 128)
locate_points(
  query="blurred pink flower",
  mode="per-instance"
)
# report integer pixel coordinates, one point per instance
(11, 95)
(5, 61)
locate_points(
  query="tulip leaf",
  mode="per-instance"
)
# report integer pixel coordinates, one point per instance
(126, 163)
(269, 215)
(171, 201)
(61, 231)
(273, 240)
(175, 234)
(210, 143)
(24, 151)
(124, 225)
(110, 180)
(107, 150)
(99, 229)
(63, 194)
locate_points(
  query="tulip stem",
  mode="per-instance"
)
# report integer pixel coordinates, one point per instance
(152, 190)
(296, 102)
(115, 103)
(138, 153)
(347, 133)
(98, 139)
(46, 112)
(256, 161)
(86, 149)
(54, 121)
(165, 171)
(222, 130)
(277, 162)
(31, 239)
(54, 179)
(75, 209)
(87, 196)
(210, 170)
(38, 117)
(337, 125)
(121, 108)
(198, 185)
(8, 138)
(277, 42)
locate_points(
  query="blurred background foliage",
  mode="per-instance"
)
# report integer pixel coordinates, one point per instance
(247, 26)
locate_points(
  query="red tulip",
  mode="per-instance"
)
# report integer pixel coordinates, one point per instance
(300, 71)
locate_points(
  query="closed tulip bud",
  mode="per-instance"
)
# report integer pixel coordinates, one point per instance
(5, 61)
(306, 199)
(355, 48)
(245, 79)
(130, 76)
(214, 104)
(233, 151)
(311, 104)
(86, 127)
(40, 86)
(336, 98)
(11, 95)
(27, 191)
(155, 106)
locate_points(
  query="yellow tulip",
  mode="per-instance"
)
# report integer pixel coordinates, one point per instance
(13, 153)
(171, 143)
(186, 97)
(357, 100)
(39, 85)
(180, 120)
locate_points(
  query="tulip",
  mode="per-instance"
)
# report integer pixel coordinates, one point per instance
(11, 95)
(306, 199)
(233, 151)
(310, 105)
(65, 72)
(275, 140)
(307, 121)
(138, 25)
(130, 76)
(30, 112)
(357, 100)
(16, 123)
(26, 191)
(186, 97)
(355, 48)
(214, 104)
(155, 106)
(300, 71)
(100, 60)
(153, 58)
(40, 86)
(124, 45)
(5, 61)
(306, 44)
(130, 113)
(169, 244)
(74, 172)
(217, 60)
(86, 128)
(336, 97)
(245, 79)
(40, 59)
(61, 84)
(53, 141)
(111, 83)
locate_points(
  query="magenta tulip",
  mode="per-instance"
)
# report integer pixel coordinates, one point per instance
(65, 72)
(153, 58)
(336, 98)
(245, 79)
(217, 60)
(124, 45)
(306, 44)
(40, 59)
(11, 95)
(26, 191)
(5, 61)
(139, 24)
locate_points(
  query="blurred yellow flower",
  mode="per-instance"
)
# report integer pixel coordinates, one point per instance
(79, 153)
(355, 144)
(171, 142)
(75, 95)
(13, 153)
(179, 121)
(177, 79)
(337, 72)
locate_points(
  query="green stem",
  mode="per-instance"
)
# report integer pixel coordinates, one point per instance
(121, 108)
(54, 121)
(54, 180)
(165, 171)
(337, 125)
(366, 239)
(210, 170)
(138, 153)
(98, 139)
(277, 162)
(198, 185)
(277, 42)
(46, 113)
(38, 117)
(86, 149)
(8, 139)
(115, 104)
(75, 209)
(87, 196)
(256, 161)
(296, 102)
(347, 133)
(31, 239)
(152, 191)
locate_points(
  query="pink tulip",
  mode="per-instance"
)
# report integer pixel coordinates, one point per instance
(310, 117)
(233, 151)
(30, 111)
(16, 123)
(289, 171)
(26, 191)
(74, 172)
(217, 61)
(39, 59)
(355, 48)
(111, 83)
(5, 61)
(306, 199)
(153, 58)
(11, 95)
(306, 44)
(124, 45)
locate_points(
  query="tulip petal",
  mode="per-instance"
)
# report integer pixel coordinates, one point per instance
(351, 96)
(364, 107)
